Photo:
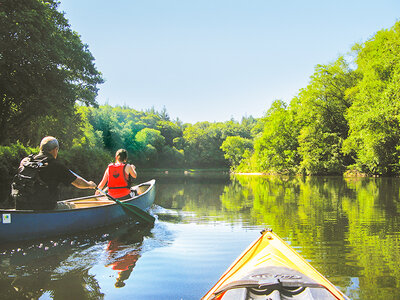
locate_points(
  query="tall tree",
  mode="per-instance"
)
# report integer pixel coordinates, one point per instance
(276, 149)
(322, 106)
(170, 131)
(234, 148)
(44, 68)
(374, 117)
(203, 142)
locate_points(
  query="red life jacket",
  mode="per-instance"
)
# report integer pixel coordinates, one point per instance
(117, 181)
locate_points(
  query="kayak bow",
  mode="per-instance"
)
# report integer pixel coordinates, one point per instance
(269, 266)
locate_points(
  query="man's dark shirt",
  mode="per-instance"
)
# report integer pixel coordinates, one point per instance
(54, 174)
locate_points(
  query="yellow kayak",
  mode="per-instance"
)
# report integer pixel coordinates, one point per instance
(270, 269)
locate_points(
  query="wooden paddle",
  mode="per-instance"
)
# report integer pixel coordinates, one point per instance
(132, 209)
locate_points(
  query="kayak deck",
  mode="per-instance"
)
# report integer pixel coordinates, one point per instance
(270, 269)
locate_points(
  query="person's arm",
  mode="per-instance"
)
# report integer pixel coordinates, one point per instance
(81, 183)
(67, 177)
(103, 181)
(21, 164)
(132, 170)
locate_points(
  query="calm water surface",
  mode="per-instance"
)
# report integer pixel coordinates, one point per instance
(349, 229)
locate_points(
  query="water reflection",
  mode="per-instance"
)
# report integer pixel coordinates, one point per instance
(124, 251)
(123, 265)
(33, 271)
(348, 227)
(60, 269)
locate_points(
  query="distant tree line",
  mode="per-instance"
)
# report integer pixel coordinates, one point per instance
(346, 118)
(156, 141)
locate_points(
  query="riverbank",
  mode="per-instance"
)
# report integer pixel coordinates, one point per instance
(185, 171)
(251, 174)
(349, 173)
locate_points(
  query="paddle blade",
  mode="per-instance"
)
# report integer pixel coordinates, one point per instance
(138, 212)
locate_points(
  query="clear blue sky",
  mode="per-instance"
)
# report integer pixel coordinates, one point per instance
(213, 60)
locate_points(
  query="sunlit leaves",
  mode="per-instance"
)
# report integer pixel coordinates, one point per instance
(203, 142)
(235, 147)
(151, 137)
(346, 118)
(276, 149)
(374, 136)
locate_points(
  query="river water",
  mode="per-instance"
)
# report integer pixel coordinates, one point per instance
(348, 229)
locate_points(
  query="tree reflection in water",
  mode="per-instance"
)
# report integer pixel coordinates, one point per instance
(59, 269)
(349, 228)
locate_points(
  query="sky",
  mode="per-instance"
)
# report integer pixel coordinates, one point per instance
(216, 60)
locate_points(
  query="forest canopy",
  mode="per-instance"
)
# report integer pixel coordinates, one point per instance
(44, 70)
(345, 120)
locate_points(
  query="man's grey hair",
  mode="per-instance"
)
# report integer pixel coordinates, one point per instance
(48, 143)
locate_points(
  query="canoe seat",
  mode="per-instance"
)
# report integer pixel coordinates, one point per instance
(90, 202)
(81, 204)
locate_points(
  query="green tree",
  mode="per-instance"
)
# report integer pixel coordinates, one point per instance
(321, 110)
(149, 136)
(276, 149)
(197, 145)
(202, 145)
(169, 131)
(90, 137)
(234, 148)
(374, 138)
(105, 121)
(203, 142)
(44, 69)
(171, 157)
(150, 143)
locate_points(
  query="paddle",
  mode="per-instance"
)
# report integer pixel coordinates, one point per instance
(131, 208)
(144, 216)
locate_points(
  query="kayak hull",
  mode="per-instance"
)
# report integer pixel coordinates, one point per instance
(77, 215)
(270, 267)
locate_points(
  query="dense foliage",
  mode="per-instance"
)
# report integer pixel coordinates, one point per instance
(346, 118)
(44, 70)
(374, 136)
(151, 138)
(155, 141)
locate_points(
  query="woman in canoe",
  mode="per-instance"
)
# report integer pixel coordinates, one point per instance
(117, 176)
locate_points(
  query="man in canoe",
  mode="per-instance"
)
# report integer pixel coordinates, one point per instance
(36, 184)
(118, 175)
